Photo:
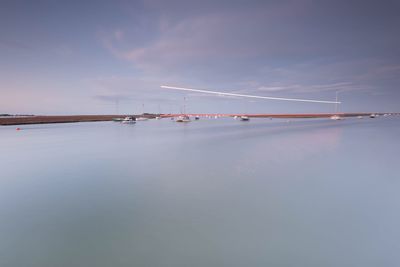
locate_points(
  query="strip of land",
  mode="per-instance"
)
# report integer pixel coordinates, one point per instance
(21, 120)
(285, 116)
(55, 119)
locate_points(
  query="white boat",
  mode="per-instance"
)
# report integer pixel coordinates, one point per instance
(183, 118)
(244, 118)
(359, 117)
(336, 117)
(142, 119)
(372, 116)
(129, 120)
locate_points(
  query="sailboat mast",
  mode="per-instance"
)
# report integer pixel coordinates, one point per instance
(184, 105)
(336, 104)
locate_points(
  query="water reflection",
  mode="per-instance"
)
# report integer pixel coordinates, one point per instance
(210, 193)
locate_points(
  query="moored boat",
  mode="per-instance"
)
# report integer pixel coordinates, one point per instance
(183, 118)
(336, 117)
(129, 120)
(142, 119)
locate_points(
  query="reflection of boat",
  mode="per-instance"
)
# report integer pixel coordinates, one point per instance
(129, 120)
(183, 118)
(244, 118)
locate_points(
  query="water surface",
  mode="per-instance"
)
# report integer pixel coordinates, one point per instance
(208, 193)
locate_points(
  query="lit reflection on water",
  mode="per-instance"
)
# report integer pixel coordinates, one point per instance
(208, 193)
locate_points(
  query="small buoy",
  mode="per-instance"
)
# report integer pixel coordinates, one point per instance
(18, 129)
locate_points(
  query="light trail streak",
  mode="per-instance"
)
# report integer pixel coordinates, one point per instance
(248, 96)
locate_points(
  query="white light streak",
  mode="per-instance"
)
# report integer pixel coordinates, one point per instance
(249, 96)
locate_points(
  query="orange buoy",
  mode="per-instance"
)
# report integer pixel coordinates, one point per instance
(18, 129)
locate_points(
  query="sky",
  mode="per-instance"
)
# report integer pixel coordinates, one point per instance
(108, 57)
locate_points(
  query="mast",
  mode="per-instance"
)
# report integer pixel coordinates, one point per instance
(184, 105)
(117, 106)
(336, 104)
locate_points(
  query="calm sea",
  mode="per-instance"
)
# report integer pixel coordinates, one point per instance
(207, 193)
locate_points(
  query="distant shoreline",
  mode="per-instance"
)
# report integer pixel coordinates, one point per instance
(61, 119)
(12, 120)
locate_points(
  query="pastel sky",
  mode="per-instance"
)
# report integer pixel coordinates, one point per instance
(103, 57)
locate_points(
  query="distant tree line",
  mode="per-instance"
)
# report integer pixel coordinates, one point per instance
(15, 115)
